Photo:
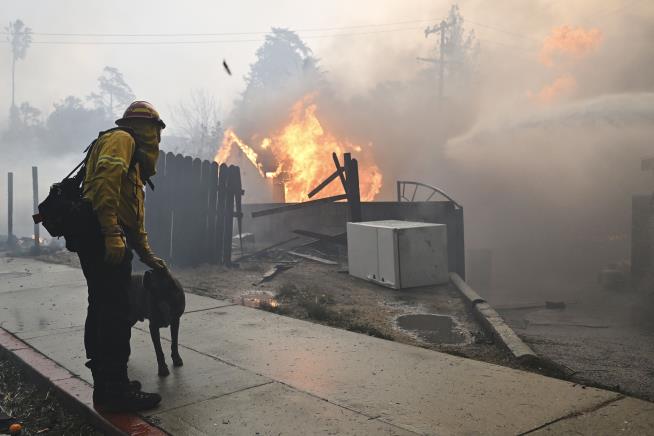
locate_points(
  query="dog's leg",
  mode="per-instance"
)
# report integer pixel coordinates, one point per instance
(174, 333)
(161, 359)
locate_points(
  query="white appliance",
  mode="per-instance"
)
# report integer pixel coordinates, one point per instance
(398, 254)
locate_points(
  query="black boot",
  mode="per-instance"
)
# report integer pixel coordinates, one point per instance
(122, 397)
(97, 377)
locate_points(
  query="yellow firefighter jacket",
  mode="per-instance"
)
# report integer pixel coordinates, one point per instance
(115, 189)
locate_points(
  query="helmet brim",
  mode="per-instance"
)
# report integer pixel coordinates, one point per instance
(123, 121)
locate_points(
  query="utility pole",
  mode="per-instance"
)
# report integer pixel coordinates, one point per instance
(10, 209)
(441, 60)
(13, 83)
(35, 194)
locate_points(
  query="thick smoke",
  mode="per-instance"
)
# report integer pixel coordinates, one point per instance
(541, 143)
(541, 140)
(550, 191)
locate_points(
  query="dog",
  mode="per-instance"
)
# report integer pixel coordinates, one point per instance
(158, 297)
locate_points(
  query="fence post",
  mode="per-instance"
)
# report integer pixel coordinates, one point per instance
(10, 209)
(35, 194)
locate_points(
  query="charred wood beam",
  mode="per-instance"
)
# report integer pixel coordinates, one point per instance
(314, 258)
(326, 182)
(336, 239)
(340, 170)
(263, 250)
(298, 205)
(353, 194)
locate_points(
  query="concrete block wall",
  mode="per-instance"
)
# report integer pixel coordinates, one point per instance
(331, 219)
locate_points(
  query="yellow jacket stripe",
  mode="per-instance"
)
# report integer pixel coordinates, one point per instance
(114, 189)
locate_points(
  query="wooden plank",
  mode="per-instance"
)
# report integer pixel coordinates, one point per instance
(185, 213)
(212, 182)
(153, 208)
(340, 238)
(270, 247)
(233, 182)
(205, 171)
(354, 195)
(272, 272)
(314, 258)
(166, 206)
(296, 206)
(340, 170)
(223, 173)
(325, 182)
(177, 200)
(238, 212)
(196, 214)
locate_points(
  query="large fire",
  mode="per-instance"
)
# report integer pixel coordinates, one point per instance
(570, 42)
(562, 48)
(303, 153)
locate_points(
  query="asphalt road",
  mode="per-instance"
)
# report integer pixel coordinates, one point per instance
(605, 338)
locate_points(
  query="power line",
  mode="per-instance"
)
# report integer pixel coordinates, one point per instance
(217, 41)
(148, 35)
(519, 35)
(212, 34)
(608, 12)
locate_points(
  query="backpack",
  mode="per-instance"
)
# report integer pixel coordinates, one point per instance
(65, 212)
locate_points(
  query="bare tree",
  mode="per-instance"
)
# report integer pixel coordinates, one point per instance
(197, 119)
(29, 115)
(113, 91)
(285, 70)
(456, 54)
(19, 37)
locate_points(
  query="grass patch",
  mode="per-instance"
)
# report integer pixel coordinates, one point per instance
(287, 291)
(369, 330)
(320, 312)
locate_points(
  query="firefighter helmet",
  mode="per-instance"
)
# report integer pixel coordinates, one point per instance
(143, 110)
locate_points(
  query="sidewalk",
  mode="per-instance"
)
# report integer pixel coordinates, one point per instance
(252, 372)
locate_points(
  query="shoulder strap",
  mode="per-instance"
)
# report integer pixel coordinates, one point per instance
(82, 165)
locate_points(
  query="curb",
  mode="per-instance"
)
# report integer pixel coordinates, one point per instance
(71, 390)
(493, 322)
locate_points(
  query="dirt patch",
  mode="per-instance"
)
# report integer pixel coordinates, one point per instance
(327, 295)
(432, 328)
(37, 409)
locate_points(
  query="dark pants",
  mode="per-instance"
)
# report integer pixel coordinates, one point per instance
(108, 329)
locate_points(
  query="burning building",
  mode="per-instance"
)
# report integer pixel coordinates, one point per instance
(295, 158)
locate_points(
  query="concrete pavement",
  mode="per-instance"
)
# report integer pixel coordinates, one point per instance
(252, 372)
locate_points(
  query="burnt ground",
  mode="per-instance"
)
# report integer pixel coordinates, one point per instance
(604, 337)
(36, 407)
(601, 338)
(326, 294)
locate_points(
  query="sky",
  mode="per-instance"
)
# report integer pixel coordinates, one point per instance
(357, 58)
(562, 115)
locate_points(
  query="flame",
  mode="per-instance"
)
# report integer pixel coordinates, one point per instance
(570, 42)
(563, 85)
(303, 152)
(224, 152)
(564, 42)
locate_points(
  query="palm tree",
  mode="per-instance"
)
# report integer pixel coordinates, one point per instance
(20, 38)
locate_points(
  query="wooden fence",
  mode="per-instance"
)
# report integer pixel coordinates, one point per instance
(182, 218)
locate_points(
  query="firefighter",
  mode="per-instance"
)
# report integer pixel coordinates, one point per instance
(119, 163)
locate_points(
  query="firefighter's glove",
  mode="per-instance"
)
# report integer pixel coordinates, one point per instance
(153, 261)
(114, 249)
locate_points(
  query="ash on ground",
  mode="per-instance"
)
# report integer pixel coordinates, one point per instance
(325, 293)
(36, 408)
